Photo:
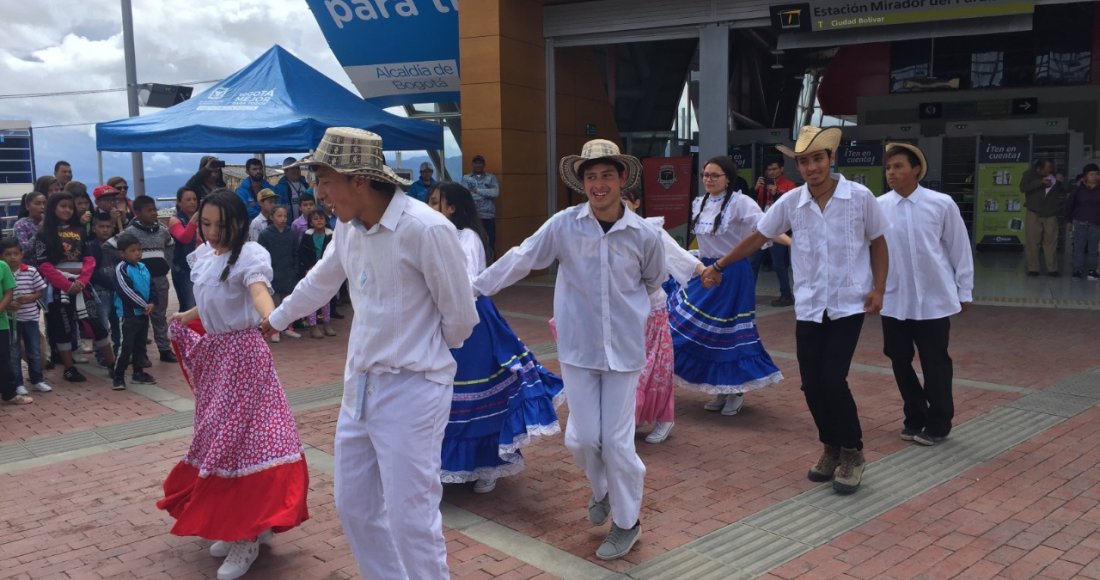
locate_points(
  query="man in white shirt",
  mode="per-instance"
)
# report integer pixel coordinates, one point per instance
(840, 261)
(413, 302)
(609, 261)
(932, 279)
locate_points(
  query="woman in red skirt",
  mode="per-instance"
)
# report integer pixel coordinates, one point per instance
(244, 475)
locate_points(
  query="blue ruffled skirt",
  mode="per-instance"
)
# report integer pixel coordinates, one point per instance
(714, 337)
(503, 399)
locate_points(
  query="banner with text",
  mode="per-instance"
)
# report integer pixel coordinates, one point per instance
(822, 15)
(861, 162)
(396, 52)
(998, 203)
(667, 186)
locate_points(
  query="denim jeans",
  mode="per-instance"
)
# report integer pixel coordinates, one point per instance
(26, 333)
(105, 313)
(780, 258)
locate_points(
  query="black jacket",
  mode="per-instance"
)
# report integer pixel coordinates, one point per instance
(307, 255)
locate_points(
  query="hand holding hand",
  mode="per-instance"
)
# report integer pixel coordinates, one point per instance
(266, 328)
(177, 317)
(76, 288)
(711, 277)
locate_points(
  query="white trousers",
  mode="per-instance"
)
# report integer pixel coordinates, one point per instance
(600, 434)
(387, 475)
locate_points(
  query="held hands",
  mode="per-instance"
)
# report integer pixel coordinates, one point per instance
(266, 328)
(76, 288)
(873, 303)
(178, 317)
(711, 277)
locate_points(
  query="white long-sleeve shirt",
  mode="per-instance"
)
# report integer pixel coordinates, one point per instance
(931, 263)
(831, 253)
(408, 283)
(601, 295)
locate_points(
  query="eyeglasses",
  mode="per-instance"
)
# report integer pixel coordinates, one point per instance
(122, 187)
(713, 175)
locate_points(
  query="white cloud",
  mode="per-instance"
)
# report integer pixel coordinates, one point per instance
(74, 45)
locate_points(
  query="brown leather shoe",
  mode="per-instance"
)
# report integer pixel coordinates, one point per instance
(849, 473)
(826, 465)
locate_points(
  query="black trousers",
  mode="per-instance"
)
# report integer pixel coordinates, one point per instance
(7, 387)
(929, 407)
(131, 350)
(825, 352)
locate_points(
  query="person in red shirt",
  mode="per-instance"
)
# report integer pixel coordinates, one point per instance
(769, 187)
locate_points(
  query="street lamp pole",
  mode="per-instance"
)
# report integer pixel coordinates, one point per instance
(138, 180)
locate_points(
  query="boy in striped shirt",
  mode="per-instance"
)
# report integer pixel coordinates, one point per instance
(25, 313)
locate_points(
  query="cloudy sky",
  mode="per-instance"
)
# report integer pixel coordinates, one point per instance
(53, 46)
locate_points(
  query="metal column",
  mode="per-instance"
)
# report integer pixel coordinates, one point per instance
(714, 75)
(551, 132)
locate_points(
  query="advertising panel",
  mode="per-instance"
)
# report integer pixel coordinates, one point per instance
(861, 162)
(999, 205)
(667, 186)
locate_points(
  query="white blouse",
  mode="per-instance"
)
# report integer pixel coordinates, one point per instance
(227, 306)
(738, 221)
(474, 251)
(679, 263)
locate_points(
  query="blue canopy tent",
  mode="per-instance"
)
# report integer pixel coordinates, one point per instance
(276, 104)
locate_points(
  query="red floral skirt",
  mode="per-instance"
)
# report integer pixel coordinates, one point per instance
(245, 471)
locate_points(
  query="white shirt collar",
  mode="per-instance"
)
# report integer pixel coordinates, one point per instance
(843, 190)
(390, 217)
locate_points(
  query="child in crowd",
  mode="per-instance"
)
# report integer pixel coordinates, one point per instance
(29, 288)
(103, 277)
(66, 262)
(306, 206)
(83, 204)
(8, 393)
(31, 213)
(279, 241)
(266, 198)
(244, 475)
(312, 247)
(135, 300)
(156, 245)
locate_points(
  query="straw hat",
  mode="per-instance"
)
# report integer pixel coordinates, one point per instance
(352, 152)
(812, 140)
(599, 149)
(916, 151)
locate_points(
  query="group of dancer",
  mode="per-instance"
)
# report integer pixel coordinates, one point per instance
(437, 387)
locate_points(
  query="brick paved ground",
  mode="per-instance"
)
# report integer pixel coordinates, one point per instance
(1032, 511)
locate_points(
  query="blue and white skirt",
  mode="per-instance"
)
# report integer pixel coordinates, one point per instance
(503, 399)
(714, 337)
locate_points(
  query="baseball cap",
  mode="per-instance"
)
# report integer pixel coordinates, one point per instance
(104, 190)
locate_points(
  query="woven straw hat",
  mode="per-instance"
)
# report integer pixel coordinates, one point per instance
(916, 151)
(599, 149)
(812, 140)
(352, 151)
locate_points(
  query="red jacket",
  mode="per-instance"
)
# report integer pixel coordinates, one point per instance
(782, 185)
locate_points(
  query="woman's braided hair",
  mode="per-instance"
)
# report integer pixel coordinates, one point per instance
(730, 169)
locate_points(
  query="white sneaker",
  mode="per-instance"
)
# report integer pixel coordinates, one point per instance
(21, 390)
(85, 348)
(80, 360)
(659, 433)
(733, 404)
(274, 337)
(485, 485)
(716, 403)
(290, 332)
(220, 549)
(42, 387)
(240, 559)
